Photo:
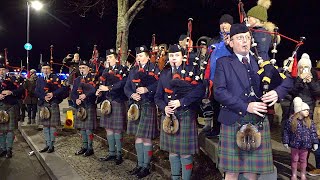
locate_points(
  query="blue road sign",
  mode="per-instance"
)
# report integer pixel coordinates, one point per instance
(28, 46)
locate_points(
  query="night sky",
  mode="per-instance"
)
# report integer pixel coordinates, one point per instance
(294, 18)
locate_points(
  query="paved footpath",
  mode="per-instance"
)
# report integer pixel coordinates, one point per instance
(64, 164)
(21, 165)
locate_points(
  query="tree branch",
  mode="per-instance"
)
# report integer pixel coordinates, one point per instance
(133, 9)
(134, 14)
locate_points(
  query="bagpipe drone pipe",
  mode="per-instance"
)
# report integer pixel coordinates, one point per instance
(271, 76)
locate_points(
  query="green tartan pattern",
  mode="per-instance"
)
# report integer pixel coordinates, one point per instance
(146, 125)
(90, 122)
(233, 159)
(13, 112)
(185, 141)
(116, 120)
(54, 116)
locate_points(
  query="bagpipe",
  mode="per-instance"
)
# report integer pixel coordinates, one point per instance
(52, 83)
(62, 80)
(170, 124)
(5, 84)
(110, 77)
(248, 135)
(84, 86)
(183, 82)
(269, 73)
(143, 78)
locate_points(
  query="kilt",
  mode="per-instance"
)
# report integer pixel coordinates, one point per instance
(90, 122)
(13, 111)
(233, 159)
(116, 119)
(54, 116)
(185, 141)
(146, 125)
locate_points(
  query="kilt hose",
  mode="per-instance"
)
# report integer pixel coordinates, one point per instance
(90, 122)
(233, 159)
(185, 141)
(146, 125)
(116, 120)
(13, 111)
(54, 116)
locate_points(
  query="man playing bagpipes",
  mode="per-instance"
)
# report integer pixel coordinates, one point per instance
(113, 106)
(140, 87)
(83, 96)
(50, 93)
(245, 145)
(9, 112)
(179, 99)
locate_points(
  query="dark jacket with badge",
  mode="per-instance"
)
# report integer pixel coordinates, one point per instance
(232, 88)
(52, 85)
(115, 79)
(9, 84)
(85, 85)
(146, 81)
(188, 94)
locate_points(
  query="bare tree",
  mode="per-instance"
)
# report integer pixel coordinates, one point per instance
(127, 11)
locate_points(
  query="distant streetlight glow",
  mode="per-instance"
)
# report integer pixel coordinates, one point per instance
(37, 5)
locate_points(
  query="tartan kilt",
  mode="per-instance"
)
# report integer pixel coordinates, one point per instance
(233, 159)
(90, 122)
(185, 141)
(54, 116)
(146, 125)
(13, 111)
(116, 119)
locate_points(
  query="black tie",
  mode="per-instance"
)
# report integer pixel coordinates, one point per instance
(246, 63)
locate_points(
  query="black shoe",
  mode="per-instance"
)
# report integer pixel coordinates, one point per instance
(119, 160)
(89, 152)
(51, 150)
(107, 158)
(143, 173)
(135, 171)
(81, 151)
(44, 149)
(3, 153)
(9, 154)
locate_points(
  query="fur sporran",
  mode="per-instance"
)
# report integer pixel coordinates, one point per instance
(105, 107)
(248, 137)
(44, 113)
(170, 125)
(4, 117)
(81, 114)
(133, 112)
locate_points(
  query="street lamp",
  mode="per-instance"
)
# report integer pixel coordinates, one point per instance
(37, 5)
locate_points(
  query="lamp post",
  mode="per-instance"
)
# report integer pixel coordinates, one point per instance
(37, 5)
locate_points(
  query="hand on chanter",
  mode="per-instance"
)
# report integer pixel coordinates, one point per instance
(142, 90)
(78, 101)
(174, 104)
(168, 110)
(270, 97)
(257, 108)
(136, 96)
